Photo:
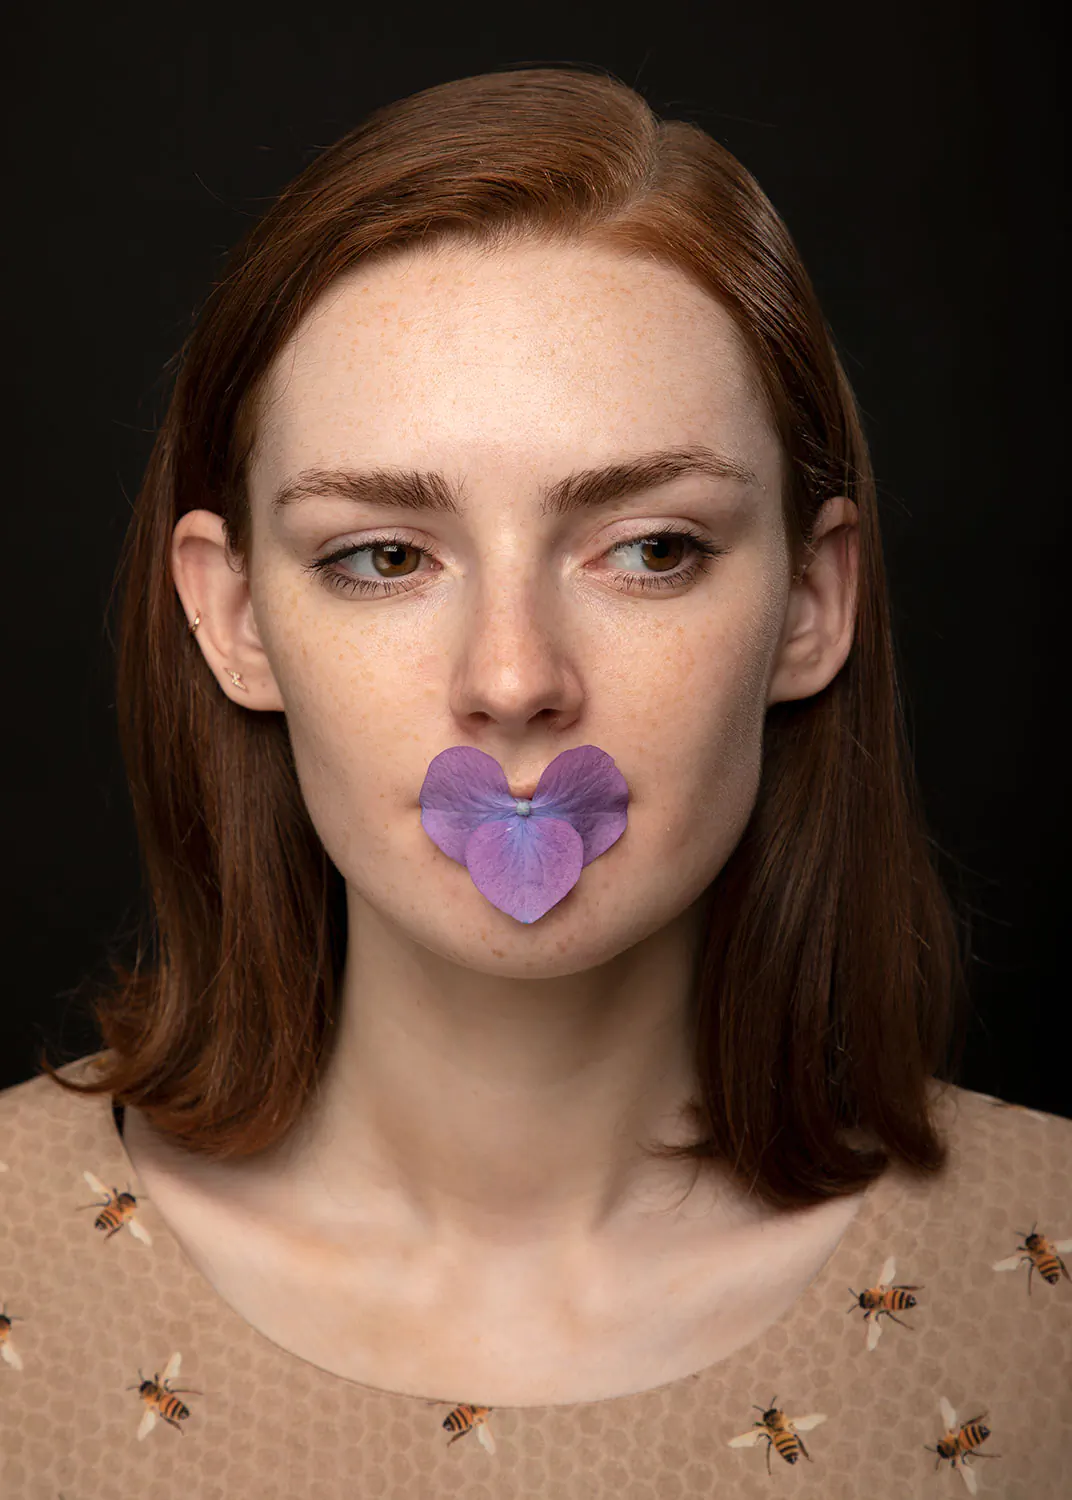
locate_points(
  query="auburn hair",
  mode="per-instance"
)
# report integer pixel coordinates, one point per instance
(832, 987)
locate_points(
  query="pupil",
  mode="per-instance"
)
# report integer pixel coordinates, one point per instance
(393, 550)
(660, 544)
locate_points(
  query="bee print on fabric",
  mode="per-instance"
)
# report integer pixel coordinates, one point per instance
(884, 1300)
(1041, 1256)
(959, 1441)
(161, 1400)
(780, 1432)
(116, 1210)
(466, 1418)
(8, 1353)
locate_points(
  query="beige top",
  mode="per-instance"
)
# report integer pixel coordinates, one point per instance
(96, 1309)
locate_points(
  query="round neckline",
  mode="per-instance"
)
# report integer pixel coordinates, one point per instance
(845, 1250)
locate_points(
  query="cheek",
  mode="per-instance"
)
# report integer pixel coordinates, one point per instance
(705, 750)
(710, 799)
(348, 725)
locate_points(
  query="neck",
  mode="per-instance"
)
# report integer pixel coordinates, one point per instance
(479, 1110)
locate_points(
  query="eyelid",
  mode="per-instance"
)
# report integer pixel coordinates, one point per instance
(636, 531)
(707, 551)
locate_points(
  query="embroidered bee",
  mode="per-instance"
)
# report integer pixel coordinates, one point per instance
(884, 1300)
(959, 1441)
(160, 1400)
(780, 1432)
(466, 1418)
(1041, 1256)
(8, 1352)
(117, 1209)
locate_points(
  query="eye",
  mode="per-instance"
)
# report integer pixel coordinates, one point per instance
(653, 545)
(672, 540)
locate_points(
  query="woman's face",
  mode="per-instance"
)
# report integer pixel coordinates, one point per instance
(501, 624)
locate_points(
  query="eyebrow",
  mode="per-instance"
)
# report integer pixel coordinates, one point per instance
(584, 489)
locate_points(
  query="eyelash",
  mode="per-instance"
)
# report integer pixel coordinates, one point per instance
(707, 553)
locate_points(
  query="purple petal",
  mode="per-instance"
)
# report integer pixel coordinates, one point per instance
(584, 787)
(524, 866)
(462, 788)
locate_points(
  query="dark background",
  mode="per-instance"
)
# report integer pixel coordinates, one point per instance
(913, 150)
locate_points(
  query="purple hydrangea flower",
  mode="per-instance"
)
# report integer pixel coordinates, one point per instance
(524, 854)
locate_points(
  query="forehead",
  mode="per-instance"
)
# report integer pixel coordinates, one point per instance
(535, 354)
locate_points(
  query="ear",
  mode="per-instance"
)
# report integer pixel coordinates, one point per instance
(820, 616)
(212, 584)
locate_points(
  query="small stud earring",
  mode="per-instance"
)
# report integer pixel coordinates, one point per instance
(236, 678)
(196, 623)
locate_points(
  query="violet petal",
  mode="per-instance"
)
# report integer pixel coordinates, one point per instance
(524, 866)
(462, 788)
(585, 787)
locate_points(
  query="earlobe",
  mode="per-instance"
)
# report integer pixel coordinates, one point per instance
(236, 677)
(820, 614)
(215, 596)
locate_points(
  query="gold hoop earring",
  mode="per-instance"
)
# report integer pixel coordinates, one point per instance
(236, 678)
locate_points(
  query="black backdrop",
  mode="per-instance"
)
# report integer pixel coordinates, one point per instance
(913, 150)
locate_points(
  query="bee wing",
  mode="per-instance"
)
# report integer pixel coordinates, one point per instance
(886, 1275)
(139, 1231)
(147, 1423)
(96, 1184)
(874, 1333)
(805, 1424)
(171, 1369)
(969, 1478)
(1062, 1244)
(1011, 1263)
(11, 1355)
(747, 1439)
(949, 1416)
(486, 1437)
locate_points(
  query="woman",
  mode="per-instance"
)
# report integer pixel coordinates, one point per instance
(551, 984)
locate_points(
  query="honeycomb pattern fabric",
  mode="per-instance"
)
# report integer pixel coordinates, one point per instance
(86, 1314)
